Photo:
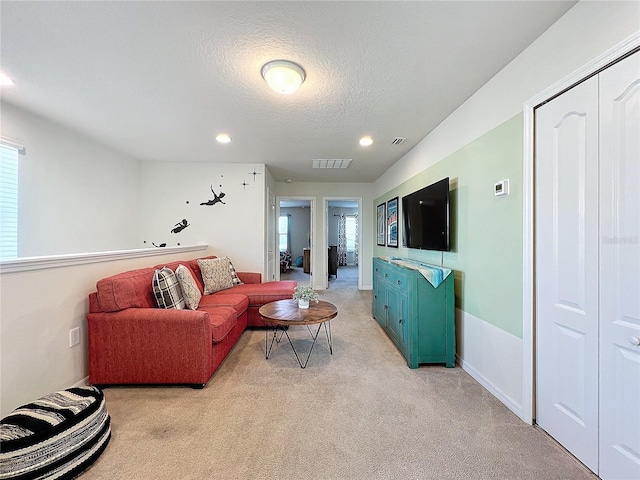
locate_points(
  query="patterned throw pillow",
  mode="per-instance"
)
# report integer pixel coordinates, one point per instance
(189, 287)
(215, 274)
(234, 275)
(167, 290)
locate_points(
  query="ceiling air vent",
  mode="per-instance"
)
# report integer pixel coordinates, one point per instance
(397, 140)
(331, 162)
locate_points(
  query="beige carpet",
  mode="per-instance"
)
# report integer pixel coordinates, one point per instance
(358, 414)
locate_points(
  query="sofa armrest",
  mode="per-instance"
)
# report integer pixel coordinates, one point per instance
(250, 277)
(149, 345)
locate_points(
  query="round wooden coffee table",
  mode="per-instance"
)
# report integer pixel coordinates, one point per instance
(282, 314)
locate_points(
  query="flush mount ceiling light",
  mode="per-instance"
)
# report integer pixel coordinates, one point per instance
(283, 76)
(366, 141)
(223, 138)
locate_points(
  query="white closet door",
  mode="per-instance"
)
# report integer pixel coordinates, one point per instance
(567, 270)
(620, 270)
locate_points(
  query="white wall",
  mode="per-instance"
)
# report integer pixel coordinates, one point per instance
(234, 229)
(586, 31)
(321, 190)
(75, 195)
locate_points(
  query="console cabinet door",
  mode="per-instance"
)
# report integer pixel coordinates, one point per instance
(379, 302)
(393, 313)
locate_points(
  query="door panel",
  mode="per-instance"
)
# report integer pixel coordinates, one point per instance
(567, 270)
(620, 270)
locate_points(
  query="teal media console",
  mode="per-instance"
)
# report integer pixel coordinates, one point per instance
(418, 317)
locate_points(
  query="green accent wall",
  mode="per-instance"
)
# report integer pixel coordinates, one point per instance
(486, 231)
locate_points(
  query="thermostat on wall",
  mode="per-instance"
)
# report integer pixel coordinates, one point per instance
(501, 188)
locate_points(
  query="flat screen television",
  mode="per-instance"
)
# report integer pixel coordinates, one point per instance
(425, 215)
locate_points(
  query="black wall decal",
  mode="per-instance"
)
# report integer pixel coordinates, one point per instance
(254, 173)
(216, 198)
(244, 184)
(180, 226)
(161, 245)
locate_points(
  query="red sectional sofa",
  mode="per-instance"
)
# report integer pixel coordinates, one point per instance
(131, 341)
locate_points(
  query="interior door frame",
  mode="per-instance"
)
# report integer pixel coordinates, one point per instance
(619, 51)
(325, 236)
(271, 237)
(312, 222)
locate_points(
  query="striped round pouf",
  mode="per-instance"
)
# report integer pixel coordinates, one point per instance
(58, 436)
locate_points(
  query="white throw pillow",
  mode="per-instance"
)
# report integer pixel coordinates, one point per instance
(189, 287)
(215, 274)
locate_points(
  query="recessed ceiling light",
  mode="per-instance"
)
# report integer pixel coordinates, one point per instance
(223, 138)
(5, 81)
(366, 141)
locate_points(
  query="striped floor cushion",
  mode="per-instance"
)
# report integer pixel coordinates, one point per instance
(56, 437)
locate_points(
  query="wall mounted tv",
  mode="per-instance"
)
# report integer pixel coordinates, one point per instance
(425, 214)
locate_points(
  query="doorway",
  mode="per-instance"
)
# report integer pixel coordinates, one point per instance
(342, 237)
(295, 239)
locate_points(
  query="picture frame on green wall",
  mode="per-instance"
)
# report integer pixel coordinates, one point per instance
(392, 222)
(381, 224)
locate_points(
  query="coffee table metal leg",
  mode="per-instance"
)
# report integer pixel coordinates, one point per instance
(268, 347)
(315, 337)
(274, 339)
(327, 331)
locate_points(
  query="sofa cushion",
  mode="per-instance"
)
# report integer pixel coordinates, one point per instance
(215, 274)
(261, 293)
(239, 303)
(189, 287)
(130, 289)
(166, 289)
(222, 320)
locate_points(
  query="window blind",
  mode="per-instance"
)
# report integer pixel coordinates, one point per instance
(8, 202)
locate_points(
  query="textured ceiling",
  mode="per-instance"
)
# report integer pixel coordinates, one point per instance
(159, 80)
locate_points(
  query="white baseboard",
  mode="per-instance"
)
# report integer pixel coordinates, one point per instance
(492, 357)
(510, 403)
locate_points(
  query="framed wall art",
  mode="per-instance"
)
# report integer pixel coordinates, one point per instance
(392, 222)
(381, 224)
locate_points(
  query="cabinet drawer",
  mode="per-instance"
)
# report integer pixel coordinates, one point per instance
(381, 269)
(398, 279)
(391, 274)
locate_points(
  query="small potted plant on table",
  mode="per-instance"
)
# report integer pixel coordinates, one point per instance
(304, 294)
